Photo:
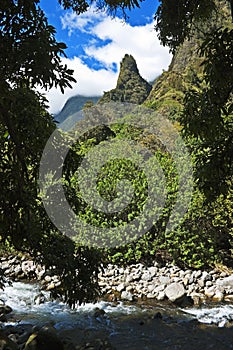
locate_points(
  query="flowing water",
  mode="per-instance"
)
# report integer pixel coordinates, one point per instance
(127, 326)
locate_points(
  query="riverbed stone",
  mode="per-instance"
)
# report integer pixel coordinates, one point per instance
(48, 278)
(175, 291)
(198, 274)
(159, 288)
(226, 282)
(209, 292)
(137, 276)
(121, 287)
(121, 271)
(218, 296)
(50, 286)
(125, 295)
(6, 343)
(152, 270)
(151, 287)
(129, 278)
(146, 276)
(196, 298)
(151, 295)
(5, 309)
(129, 288)
(201, 282)
(229, 298)
(45, 339)
(160, 296)
(223, 274)
(209, 284)
(185, 281)
(164, 280)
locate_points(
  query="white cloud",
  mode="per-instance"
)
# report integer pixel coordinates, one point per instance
(139, 41)
(82, 22)
(89, 83)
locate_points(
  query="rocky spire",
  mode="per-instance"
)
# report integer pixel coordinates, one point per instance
(131, 87)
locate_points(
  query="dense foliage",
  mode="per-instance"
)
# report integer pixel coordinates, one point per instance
(198, 100)
(201, 239)
(30, 56)
(197, 92)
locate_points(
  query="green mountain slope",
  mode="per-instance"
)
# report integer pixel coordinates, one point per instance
(185, 69)
(168, 90)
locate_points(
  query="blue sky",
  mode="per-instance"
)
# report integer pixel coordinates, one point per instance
(97, 43)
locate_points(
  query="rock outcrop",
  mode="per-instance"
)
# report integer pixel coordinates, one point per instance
(131, 87)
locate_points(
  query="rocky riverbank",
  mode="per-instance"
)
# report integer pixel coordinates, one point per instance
(183, 287)
(23, 268)
(145, 284)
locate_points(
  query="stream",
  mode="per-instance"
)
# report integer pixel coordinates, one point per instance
(127, 326)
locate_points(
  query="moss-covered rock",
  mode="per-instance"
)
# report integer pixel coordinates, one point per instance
(131, 87)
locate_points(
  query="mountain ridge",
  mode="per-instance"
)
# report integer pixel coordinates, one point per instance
(73, 105)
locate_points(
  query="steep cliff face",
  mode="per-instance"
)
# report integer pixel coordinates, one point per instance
(131, 87)
(168, 90)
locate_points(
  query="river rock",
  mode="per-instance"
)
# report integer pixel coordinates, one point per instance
(152, 270)
(125, 295)
(44, 339)
(225, 282)
(6, 343)
(160, 296)
(196, 298)
(201, 283)
(151, 295)
(229, 298)
(5, 309)
(129, 278)
(120, 287)
(99, 312)
(50, 286)
(175, 291)
(40, 299)
(47, 278)
(185, 281)
(218, 296)
(208, 284)
(164, 280)
(159, 288)
(28, 268)
(198, 274)
(146, 276)
(151, 287)
(209, 292)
